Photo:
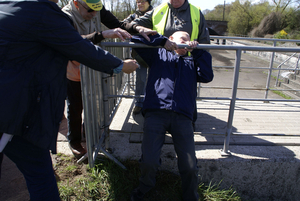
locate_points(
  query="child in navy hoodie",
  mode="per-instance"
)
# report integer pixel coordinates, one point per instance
(170, 101)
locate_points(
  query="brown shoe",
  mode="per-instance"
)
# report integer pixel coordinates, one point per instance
(77, 149)
(136, 110)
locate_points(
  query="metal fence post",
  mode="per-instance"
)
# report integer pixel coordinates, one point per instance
(105, 87)
(270, 72)
(225, 151)
(85, 98)
(297, 67)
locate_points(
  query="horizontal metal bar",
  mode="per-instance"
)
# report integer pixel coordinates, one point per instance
(248, 88)
(221, 98)
(255, 39)
(245, 67)
(249, 99)
(205, 46)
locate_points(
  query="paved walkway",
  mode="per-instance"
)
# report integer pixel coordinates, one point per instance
(254, 123)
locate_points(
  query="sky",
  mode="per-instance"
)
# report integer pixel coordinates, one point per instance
(207, 4)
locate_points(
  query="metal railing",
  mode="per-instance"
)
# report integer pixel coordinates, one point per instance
(102, 93)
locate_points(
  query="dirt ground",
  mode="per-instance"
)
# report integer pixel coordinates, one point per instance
(12, 183)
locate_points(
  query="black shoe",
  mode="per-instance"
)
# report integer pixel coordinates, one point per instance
(77, 149)
(137, 195)
(136, 110)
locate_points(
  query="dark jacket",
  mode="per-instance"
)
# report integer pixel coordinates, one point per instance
(37, 40)
(172, 79)
(135, 15)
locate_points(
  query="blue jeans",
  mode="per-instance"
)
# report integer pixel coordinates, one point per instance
(36, 165)
(156, 123)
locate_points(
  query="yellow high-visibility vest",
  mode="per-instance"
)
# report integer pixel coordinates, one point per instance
(160, 15)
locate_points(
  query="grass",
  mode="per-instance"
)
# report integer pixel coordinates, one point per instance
(281, 94)
(109, 182)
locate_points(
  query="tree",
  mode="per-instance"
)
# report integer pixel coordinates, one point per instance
(265, 17)
(259, 11)
(217, 13)
(269, 25)
(240, 18)
(281, 5)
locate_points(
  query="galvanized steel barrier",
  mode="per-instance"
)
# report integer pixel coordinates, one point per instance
(102, 92)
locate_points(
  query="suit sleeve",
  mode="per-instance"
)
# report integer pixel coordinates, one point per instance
(109, 20)
(63, 38)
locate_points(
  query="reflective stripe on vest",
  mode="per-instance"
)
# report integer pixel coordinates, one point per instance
(160, 15)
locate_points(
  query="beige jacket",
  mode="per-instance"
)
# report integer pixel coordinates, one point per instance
(84, 27)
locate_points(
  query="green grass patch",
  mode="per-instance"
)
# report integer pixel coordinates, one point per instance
(282, 94)
(108, 181)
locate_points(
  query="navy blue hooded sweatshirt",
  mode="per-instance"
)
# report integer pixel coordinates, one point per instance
(172, 79)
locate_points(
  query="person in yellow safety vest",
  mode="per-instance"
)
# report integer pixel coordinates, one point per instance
(176, 15)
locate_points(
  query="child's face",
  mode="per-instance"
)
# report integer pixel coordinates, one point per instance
(180, 39)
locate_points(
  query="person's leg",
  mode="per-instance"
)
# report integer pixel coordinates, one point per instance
(1, 156)
(74, 101)
(155, 125)
(36, 165)
(195, 116)
(183, 138)
(1, 159)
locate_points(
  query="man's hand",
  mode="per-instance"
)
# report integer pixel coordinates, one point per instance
(116, 33)
(191, 44)
(145, 32)
(171, 46)
(129, 66)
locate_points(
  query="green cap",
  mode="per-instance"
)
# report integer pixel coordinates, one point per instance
(94, 4)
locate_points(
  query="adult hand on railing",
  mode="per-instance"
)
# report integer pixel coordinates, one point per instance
(145, 32)
(116, 33)
(171, 46)
(129, 65)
